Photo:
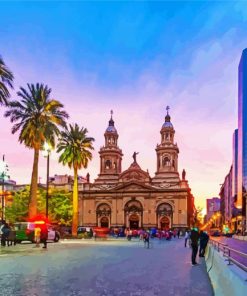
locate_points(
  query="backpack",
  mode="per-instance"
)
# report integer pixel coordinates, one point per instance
(5, 230)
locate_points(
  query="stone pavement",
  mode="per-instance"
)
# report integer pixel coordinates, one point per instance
(115, 268)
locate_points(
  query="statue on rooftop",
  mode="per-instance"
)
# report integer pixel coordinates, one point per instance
(134, 156)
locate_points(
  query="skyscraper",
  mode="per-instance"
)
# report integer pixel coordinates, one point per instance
(242, 135)
(235, 164)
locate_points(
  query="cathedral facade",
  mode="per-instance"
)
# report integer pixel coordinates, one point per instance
(132, 198)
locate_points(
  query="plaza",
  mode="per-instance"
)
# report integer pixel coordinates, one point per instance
(103, 268)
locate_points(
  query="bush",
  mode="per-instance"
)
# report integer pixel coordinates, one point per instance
(84, 235)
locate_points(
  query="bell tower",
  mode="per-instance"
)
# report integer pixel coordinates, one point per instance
(167, 154)
(110, 156)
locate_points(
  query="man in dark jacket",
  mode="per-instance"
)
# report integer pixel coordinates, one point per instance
(44, 235)
(203, 243)
(194, 237)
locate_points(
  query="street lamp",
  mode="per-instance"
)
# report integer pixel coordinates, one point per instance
(46, 153)
(3, 175)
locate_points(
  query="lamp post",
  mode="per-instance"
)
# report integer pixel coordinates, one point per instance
(46, 153)
(3, 171)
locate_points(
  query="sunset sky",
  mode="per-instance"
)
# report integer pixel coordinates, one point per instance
(135, 58)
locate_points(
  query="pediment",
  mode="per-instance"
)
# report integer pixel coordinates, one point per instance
(132, 186)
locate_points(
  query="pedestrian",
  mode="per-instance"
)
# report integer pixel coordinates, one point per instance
(11, 237)
(194, 236)
(203, 243)
(186, 237)
(37, 233)
(178, 233)
(44, 235)
(5, 230)
(146, 238)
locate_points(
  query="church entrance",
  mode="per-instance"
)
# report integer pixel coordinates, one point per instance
(164, 223)
(134, 221)
(133, 214)
(104, 222)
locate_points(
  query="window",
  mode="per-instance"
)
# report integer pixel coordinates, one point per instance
(108, 164)
(166, 161)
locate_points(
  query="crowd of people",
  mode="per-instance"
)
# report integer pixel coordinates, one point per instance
(8, 235)
(192, 238)
(160, 234)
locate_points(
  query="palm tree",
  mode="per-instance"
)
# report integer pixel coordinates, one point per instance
(37, 118)
(75, 146)
(6, 78)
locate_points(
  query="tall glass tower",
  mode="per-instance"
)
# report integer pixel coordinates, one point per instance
(235, 165)
(242, 135)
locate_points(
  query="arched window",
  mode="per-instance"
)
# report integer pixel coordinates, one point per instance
(164, 209)
(167, 136)
(108, 164)
(133, 206)
(166, 161)
(103, 210)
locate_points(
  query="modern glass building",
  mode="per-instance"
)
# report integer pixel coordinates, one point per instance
(242, 135)
(235, 164)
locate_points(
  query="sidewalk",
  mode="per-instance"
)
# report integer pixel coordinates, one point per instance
(109, 268)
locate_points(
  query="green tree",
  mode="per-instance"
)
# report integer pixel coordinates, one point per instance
(60, 206)
(18, 210)
(75, 146)
(6, 79)
(37, 118)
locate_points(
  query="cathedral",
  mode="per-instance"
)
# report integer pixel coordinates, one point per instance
(132, 198)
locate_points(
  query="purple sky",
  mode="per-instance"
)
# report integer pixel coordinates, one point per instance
(135, 59)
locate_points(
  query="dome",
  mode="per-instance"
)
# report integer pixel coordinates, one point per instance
(111, 128)
(167, 124)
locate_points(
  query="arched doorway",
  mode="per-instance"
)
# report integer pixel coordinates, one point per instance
(134, 221)
(164, 223)
(103, 215)
(164, 215)
(104, 222)
(133, 214)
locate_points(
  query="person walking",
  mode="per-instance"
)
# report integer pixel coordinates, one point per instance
(44, 235)
(37, 233)
(11, 237)
(203, 243)
(146, 238)
(178, 233)
(5, 230)
(186, 237)
(194, 236)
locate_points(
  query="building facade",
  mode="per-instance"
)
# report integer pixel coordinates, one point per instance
(242, 137)
(132, 198)
(213, 206)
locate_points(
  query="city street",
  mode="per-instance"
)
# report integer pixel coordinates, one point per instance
(236, 244)
(106, 268)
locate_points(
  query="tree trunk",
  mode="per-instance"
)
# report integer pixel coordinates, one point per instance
(32, 211)
(75, 205)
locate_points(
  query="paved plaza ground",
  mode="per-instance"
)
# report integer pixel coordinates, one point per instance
(105, 268)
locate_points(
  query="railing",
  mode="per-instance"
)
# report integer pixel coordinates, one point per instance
(228, 252)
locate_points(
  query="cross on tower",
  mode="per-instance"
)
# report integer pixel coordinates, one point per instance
(167, 109)
(111, 114)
